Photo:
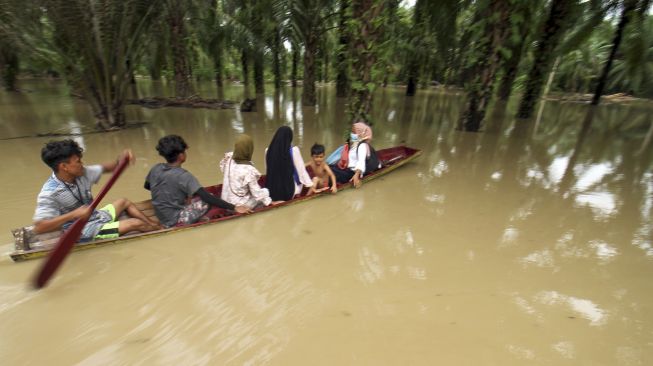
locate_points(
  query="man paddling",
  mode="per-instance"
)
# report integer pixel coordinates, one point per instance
(66, 196)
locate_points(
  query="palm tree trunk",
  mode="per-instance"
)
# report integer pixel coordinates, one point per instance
(276, 66)
(325, 66)
(107, 116)
(295, 62)
(552, 75)
(244, 61)
(628, 7)
(342, 78)
(414, 61)
(218, 70)
(487, 64)
(158, 62)
(308, 92)
(364, 57)
(8, 67)
(259, 81)
(510, 68)
(319, 75)
(132, 84)
(183, 87)
(461, 61)
(544, 54)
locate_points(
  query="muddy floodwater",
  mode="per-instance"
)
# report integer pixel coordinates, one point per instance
(526, 244)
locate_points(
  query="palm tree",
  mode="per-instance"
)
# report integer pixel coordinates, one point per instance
(583, 46)
(416, 55)
(551, 34)
(366, 27)
(342, 65)
(633, 71)
(628, 9)
(177, 11)
(92, 44)
(309, 20)
(278, 31)
(8, 65)
(295, 61)
(257, 25)
(496, 15)
(213, 36)
(13, 12)
(521, 20)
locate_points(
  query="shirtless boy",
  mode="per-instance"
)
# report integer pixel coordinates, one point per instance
(323, 176)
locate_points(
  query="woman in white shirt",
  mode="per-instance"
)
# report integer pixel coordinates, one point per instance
(358, 156)
(240, 182)
(286, 173)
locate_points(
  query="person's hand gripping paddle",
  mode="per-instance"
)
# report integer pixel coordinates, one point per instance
(71, 236)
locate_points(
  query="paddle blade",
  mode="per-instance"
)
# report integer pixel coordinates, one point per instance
(59, 253)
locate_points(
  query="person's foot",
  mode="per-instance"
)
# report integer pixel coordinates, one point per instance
(154, 226)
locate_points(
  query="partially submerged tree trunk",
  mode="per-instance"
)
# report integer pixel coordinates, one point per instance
(158, 62)
(181, 65)
(325, 66)
(8, 67)
(244, 62)
(276, 53)
(218, 70)
(308, 92)
(109, 113)
(547, 87)
(342, 78)
(295, 62)
(366, 31)
(259, 80)
(544, 54)
(626, 13)
(465, 68)
(132, 84)
(510, 69)
(415, 58)
(520, 35)
(487, 63)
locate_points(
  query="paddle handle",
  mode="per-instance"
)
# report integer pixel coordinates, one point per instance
(71, 236)
(122, 164)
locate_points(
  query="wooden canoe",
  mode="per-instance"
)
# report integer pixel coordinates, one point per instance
(29, 245)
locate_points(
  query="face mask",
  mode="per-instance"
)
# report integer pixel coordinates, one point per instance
(353, 137)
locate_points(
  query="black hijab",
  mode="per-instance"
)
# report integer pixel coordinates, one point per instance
(280, 168)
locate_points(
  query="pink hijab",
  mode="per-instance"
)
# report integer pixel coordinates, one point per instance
(363, 131)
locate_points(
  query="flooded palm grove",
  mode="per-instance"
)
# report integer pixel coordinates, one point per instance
(526, 243)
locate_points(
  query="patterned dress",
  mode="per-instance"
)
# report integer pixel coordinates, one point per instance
(240, 184)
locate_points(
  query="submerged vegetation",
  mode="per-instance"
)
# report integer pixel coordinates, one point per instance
(494, 49)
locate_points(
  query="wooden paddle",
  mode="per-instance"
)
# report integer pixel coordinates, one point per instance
(71, 236)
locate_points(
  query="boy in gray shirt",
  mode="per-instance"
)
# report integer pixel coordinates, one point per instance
(66, 196)
(177, 196)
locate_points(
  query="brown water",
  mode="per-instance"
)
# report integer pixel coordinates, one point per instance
(525, 244)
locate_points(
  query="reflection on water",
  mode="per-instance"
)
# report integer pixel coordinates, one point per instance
(585, 308)
(521, 244)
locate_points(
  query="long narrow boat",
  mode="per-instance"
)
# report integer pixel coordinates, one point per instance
(30, 245)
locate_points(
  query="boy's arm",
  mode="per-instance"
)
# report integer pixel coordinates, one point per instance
(334, 184)
(47, 225)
